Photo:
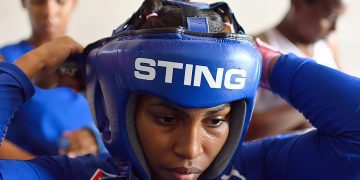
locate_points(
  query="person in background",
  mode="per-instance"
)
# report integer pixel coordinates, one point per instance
(56, 121)
(307, 30)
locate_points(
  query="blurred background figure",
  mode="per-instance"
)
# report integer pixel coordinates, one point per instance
(56, 121)
(307, 30)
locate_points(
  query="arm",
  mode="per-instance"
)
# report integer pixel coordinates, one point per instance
(332, 43)
(15, 89)
(15, 86)
(281, 118)
(331, 101)
(328, 98)
(9, 150)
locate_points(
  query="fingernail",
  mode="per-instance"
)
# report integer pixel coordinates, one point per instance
(71, 155)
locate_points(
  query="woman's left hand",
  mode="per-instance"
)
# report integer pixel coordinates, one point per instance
(80, 142)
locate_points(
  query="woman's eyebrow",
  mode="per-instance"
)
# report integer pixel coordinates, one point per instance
(184, 113)
(217, 109)
(171, 107)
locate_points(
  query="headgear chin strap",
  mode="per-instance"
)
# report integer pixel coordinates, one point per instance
(187, 68)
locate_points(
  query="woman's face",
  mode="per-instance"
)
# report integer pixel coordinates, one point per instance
(49, 18)
(318, 19)
(180, 143)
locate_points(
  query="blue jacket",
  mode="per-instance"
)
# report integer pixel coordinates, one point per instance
(329, 98)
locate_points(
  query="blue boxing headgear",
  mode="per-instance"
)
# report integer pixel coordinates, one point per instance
(184, 65)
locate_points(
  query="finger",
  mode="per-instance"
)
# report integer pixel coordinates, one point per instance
(82, 139)
(66, 134)
(62, 152)
(75, 47)
(90, 146)
(85, 144)
(82, 151)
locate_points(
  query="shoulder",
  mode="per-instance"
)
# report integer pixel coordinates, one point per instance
(13, 46)
(264, 35)
(12, 52)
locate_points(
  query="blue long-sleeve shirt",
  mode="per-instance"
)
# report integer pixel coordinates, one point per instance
(15, 89)
(329, 98)
(331, 101)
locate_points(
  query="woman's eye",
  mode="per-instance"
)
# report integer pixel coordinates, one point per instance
(38, 2)
(61, 2)
(215, 122)
(166, 120)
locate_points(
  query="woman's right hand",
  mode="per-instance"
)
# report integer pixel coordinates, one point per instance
(45, 60)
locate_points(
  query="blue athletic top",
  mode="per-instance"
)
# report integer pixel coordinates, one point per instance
(329, 98)
(39, 124)
(15, 90)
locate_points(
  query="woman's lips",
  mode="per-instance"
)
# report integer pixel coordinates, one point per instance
(185, 173)
(49, 28)
(191, 170)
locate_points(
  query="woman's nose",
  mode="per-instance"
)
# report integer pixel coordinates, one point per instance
(189, 143)
(50, 8)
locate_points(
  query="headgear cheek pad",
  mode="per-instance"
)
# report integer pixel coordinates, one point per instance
(189, 69)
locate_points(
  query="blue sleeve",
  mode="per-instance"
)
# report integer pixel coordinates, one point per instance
(328, 98)
(15, 89)
(331, 101)
(55, 167)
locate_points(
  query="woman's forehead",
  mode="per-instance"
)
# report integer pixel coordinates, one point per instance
(155, 101)
(332, 4)
(44, 1)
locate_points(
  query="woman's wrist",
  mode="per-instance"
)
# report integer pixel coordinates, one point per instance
(269, 58)
(32, 64)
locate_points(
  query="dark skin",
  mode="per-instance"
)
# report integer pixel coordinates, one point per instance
(320, 18)
(49, 18)
(48, 59)
(184, 141)
(304, 24)
(49, 21)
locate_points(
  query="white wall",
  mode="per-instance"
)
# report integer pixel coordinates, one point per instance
(95, 19)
